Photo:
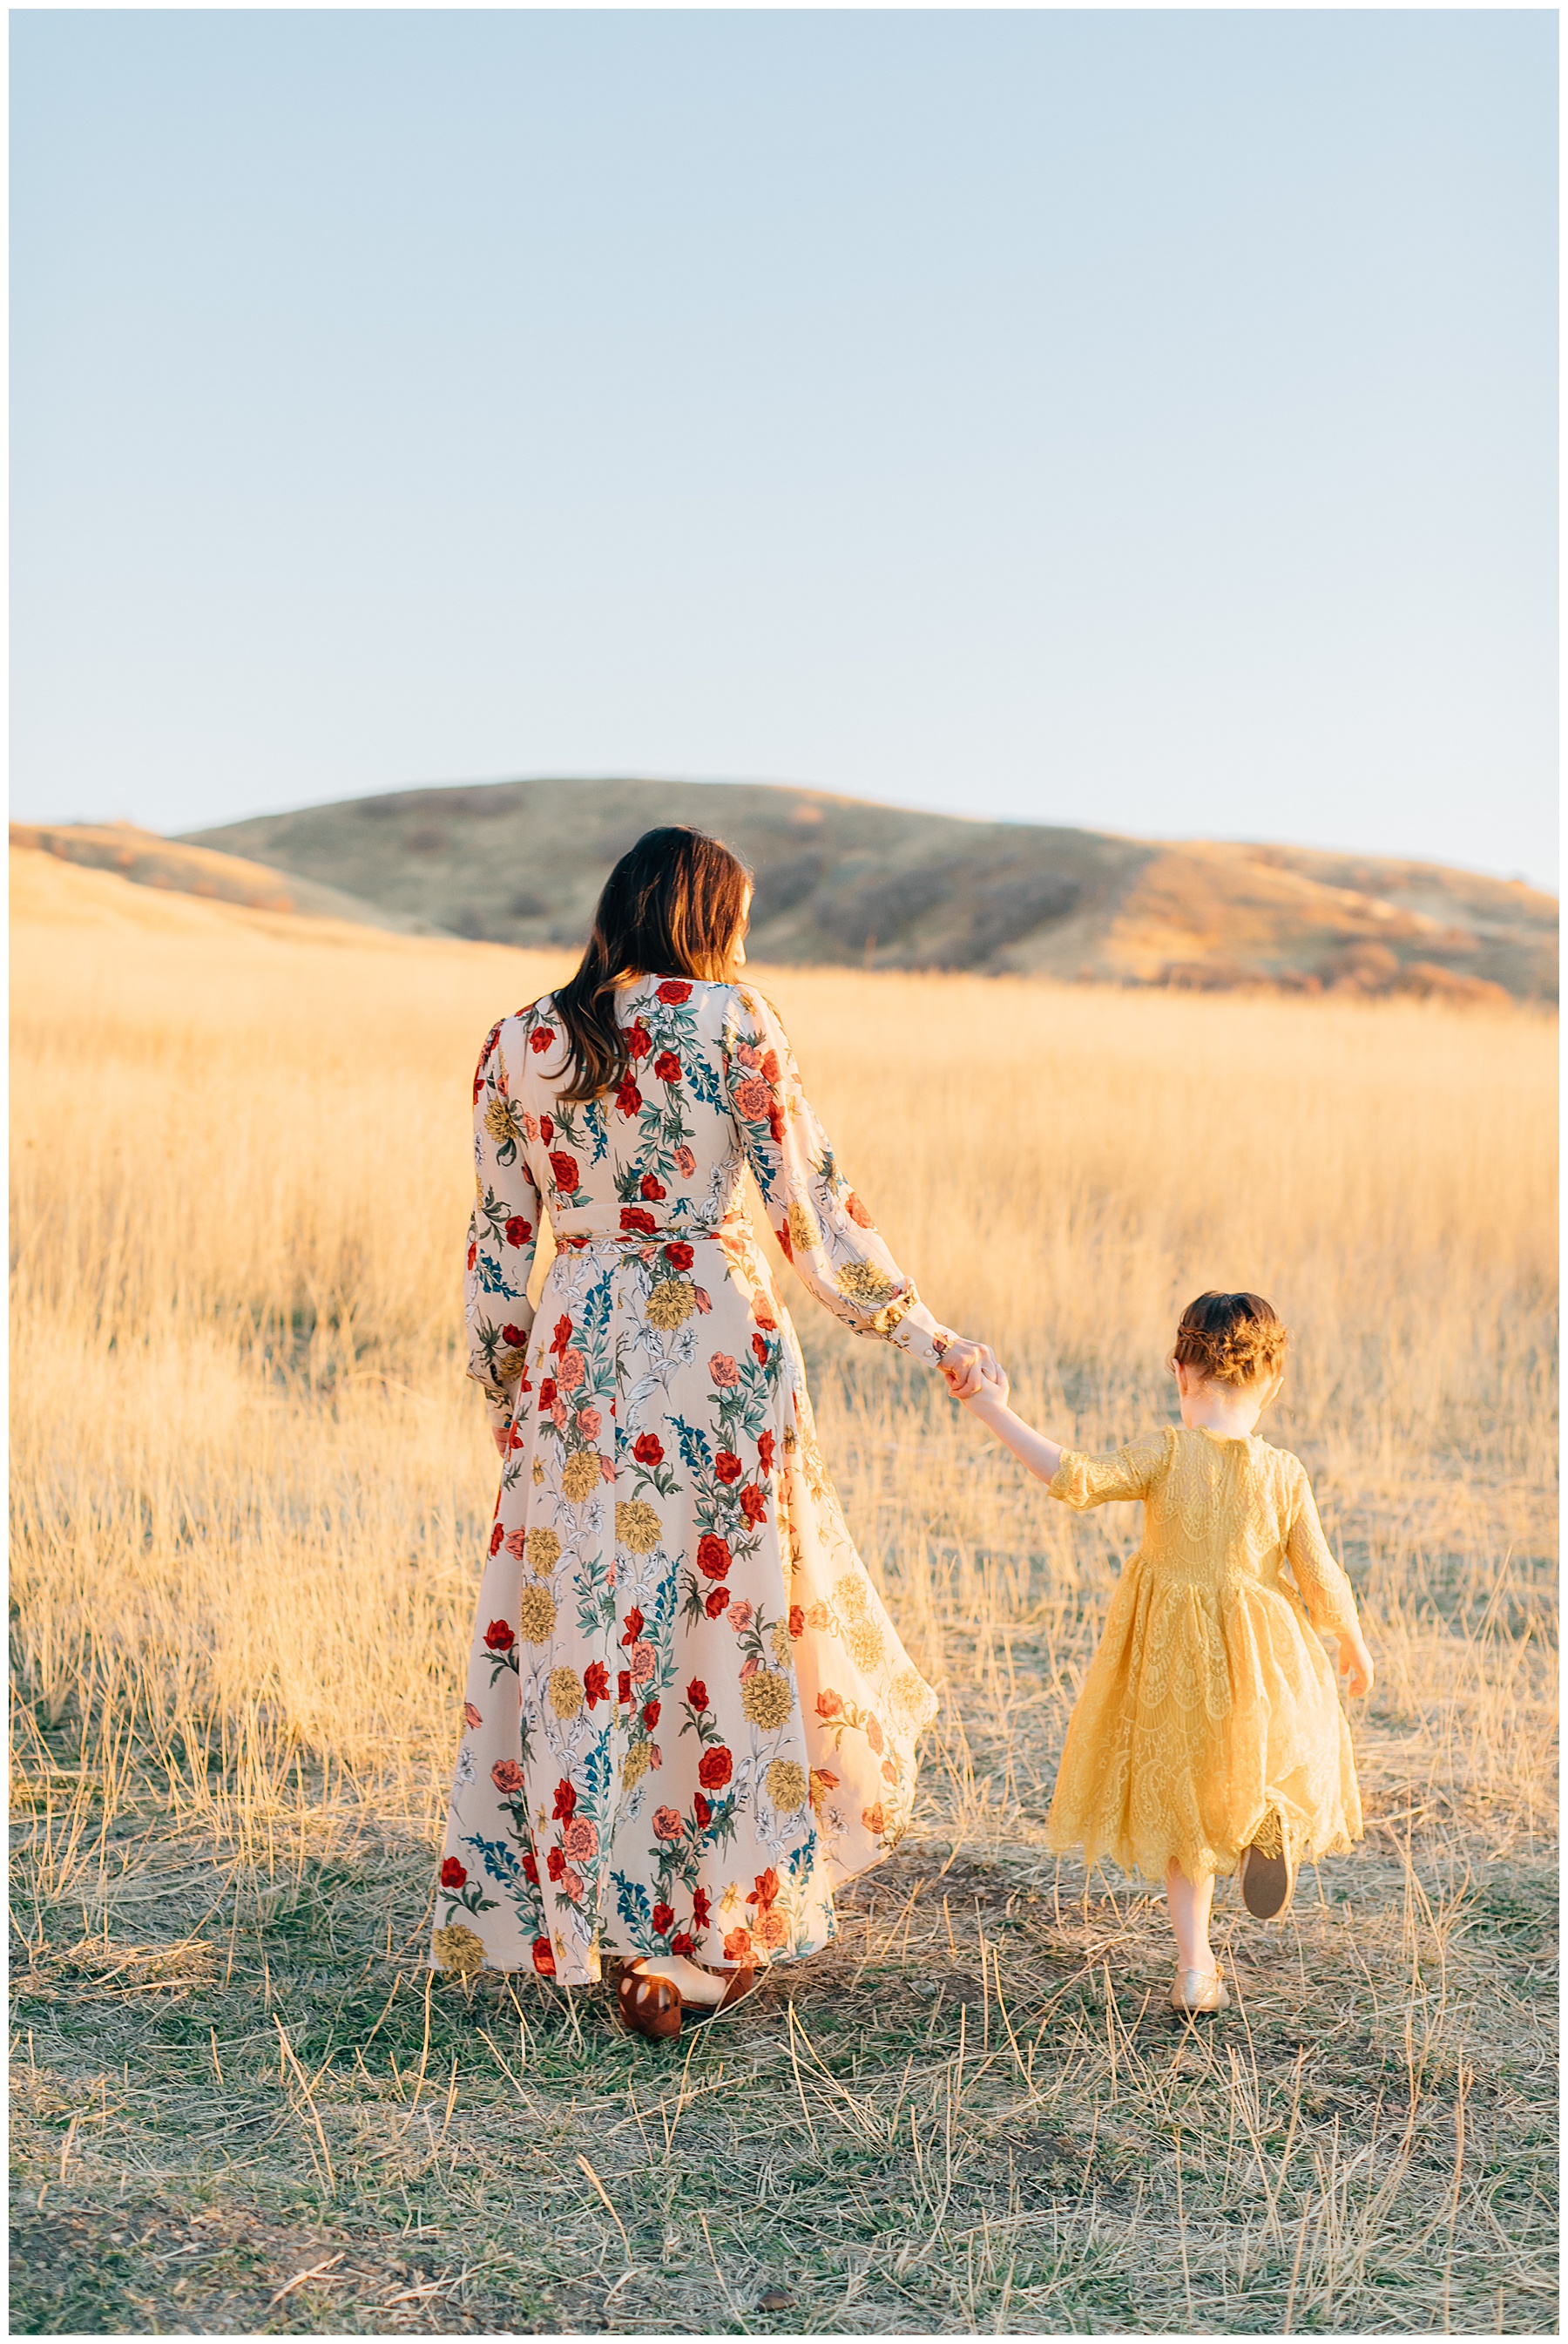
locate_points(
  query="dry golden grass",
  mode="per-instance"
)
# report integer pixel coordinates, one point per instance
(250, 1488)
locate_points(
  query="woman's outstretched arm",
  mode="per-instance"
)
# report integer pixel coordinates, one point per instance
(822, 1226)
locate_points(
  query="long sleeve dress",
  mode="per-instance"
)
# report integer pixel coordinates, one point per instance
(1209, 1715)
(688, 1714)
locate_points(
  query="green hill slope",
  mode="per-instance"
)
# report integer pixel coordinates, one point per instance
(844, 880)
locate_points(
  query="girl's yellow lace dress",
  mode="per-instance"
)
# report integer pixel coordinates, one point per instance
(1210, 1708)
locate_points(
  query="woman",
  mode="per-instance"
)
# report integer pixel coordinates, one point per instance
(688, 1716)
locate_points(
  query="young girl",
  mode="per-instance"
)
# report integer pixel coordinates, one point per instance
(1208, 1733)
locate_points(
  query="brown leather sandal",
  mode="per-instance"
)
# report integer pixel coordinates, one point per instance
(647, 2005)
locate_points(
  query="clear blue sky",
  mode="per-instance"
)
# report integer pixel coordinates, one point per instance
(1145, 420)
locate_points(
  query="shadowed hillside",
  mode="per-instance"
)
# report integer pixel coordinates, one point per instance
(842, 880)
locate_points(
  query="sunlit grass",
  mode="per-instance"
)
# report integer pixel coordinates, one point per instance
(249, 1494)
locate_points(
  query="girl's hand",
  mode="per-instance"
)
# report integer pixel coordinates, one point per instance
(966, 1364)
(1355, 1663)
(992, 1391)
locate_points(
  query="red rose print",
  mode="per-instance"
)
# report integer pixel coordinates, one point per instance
(771, 1069)
(765, 1450)
(628, 1097)
(497, 1533)
(572, 1370)
(875, 1819)
(547, 1129)
(651, 1714)
(648, 1448)
(683, 1942)
(728, 1467)
(857, 1212)
(753, 1505)
(737, 1945)
(753, 1098)
(703, 1299)
(566, 1801)
(759, 1350)
(515, 1336)
(623, 1686)
(531, 1868)
(874, 1733)
(471, 1716)
(766, 1891)
(506, 1776)
(547, 1395)
(666, 1823)
(640, 1041)
(652, 1189)
(596, 1682)
(544, 1960)
(473, 1255)
(580, 1839)
(453, 1874)
(636, 1222)
(564, 1172)
(663, 1919)
(830, 1704)
(724, 1371)
(703, 1813)
(718, 1602)
(680, 1255)
(499, 1637)
(634, 1626)
(555, 1863)
(666, 1066)
(712, 1555)
(561, 1340)
(696, 1694)
(686, 1162)
(519, 1232)
(674, 991)
(797, 1620)
(541, 1037)
(714, 1768)
(763, 1311)
(784, 1248)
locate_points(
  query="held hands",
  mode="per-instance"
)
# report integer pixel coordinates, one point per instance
(972, 1371)
(1355, 1663)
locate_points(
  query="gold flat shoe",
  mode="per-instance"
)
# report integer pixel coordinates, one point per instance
(1268, 1878)
(1199, 1990)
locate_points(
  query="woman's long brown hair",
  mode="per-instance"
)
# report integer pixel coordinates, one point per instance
(672, 906)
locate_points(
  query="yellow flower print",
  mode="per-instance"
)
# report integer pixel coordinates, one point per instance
(805, 1231)
(767, 1698)
(852, 1596)
(543, 1551)
(862, 1281)
(908, 1693)
(636, 1764)
(459, 1950)
(779, 1638)
(536, 1615)
(538, 1474)
(509, 1364)
(636, 1526)
(503, 1121)
(581, 1475)
(565, 1692)
(670, 1304)
(786, 1785)
(864, 1639)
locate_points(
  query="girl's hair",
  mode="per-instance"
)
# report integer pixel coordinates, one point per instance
(672, 906)
(1232, 1338)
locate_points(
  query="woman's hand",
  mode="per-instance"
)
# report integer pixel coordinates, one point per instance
(966, 1364)
(501, 1435)
(1355, 1663)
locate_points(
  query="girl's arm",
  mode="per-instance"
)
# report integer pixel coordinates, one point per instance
(1040, 1456)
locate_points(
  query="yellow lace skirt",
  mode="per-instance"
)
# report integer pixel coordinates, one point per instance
(1207, 1709)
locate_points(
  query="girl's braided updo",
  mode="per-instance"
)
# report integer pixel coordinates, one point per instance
(1232, 1338)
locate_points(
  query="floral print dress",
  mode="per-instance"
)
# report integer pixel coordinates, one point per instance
(688, 1714)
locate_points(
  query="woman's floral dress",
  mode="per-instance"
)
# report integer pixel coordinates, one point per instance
(688, 1714)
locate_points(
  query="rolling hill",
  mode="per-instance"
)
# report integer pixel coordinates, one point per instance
(843, 880)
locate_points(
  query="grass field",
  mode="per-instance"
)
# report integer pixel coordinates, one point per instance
(250, 1495)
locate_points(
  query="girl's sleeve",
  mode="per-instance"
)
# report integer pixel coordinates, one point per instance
(1324, 1587)
(1082, 1479)
(503, 1233)
(822, 1226)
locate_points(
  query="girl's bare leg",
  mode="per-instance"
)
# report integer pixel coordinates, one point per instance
(1189, 1902)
